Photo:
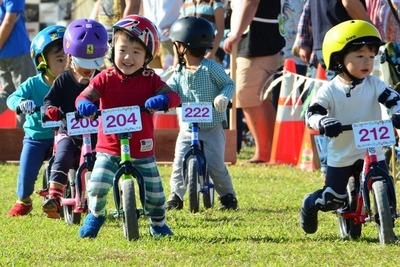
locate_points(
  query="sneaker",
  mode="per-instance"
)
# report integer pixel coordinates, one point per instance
(91, 226)
(20, 209)
(52, 207)
(228, 202)
(174, 202)
(159, 231)
(308, 219)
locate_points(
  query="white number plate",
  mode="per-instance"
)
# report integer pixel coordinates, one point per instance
(197, 112)
(81, 126)
(121, 120)
(373, 134)
(48, 124)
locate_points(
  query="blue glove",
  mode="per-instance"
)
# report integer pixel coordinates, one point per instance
(158, 102)
(396, 120)
(330, 127)
(86, 108)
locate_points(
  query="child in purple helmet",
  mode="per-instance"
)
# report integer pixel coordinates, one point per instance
(49, 58)
(85, 41)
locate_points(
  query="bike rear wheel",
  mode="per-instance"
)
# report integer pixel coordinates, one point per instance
(70, 216)
(382, 213)
(193, 185)
(347, 227)
(130, 218)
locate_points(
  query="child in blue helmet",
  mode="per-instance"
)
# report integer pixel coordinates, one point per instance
(85, 42)
(49, 58)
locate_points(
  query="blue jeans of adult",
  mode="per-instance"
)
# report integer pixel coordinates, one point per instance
(33, 155)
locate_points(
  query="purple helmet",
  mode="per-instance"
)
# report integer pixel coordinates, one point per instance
(86, 41)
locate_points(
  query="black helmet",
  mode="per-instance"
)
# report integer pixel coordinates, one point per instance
(193, 32)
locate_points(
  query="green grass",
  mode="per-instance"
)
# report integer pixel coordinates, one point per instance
(263, 232)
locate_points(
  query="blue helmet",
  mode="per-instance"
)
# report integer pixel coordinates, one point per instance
(45, 37)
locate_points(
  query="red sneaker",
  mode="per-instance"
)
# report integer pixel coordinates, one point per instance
(20, 209)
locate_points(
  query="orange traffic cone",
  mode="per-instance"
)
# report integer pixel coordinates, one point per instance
(310, 135)
(289, 128)
(8, 119)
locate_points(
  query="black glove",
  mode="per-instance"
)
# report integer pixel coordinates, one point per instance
(396, 120)
(330, 127)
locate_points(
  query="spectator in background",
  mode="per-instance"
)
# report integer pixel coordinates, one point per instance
(15, 62)
(255, 30)
(213, 11)
(163, 13)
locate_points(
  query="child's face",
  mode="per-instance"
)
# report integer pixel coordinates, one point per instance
(360, 63)
(128, 56)
(56, 61)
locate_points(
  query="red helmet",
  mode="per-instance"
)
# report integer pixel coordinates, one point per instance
(142, 29)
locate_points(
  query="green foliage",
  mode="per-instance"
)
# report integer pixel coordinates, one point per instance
(263, 232)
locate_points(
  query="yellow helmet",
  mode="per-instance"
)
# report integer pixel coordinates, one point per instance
(348, 32)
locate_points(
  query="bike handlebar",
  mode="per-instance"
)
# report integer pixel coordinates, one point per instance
(19, 111)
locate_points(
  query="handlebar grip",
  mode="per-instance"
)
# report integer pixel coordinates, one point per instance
(347, 127)
(19, 112)
(79, 116)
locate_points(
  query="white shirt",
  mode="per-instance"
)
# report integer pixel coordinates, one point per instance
(361, 106)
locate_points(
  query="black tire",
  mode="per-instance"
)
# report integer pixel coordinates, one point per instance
(208, 196)
(347, 227)
(193, 178)
(69, 215)
(383, 215)
(45, 178)
(130, 220)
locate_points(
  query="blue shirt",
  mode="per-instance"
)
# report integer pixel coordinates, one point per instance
(18, 42)
(34, 88)
(207, 82)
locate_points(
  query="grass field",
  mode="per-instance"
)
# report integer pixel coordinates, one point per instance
(263, 232)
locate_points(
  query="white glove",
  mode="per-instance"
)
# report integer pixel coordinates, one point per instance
(221, 103)
(27, 106)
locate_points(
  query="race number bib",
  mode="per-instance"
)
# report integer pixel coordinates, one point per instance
(121, 120)
(197, 112)
(82, 125)
(373, 134)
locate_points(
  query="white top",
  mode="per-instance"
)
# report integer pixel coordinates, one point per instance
(163, 13)
(361, 106)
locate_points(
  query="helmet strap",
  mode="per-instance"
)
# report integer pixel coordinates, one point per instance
(354, 81)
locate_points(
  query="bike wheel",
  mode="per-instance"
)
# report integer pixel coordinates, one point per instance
(193, 178)
(130, 218)
(69, 215)
(208, 195)
(87, 179)
(347, 227)
(382, 213)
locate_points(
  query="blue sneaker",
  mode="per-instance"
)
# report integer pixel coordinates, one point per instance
(159, 231)
(91, 226)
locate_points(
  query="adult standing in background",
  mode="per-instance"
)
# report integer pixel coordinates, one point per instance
(255, 30)
(163, 13)
(16, 64)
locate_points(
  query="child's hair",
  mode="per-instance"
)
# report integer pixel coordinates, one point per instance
(125, 36)
(48, 39)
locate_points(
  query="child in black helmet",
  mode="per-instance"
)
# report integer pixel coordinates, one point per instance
(201, 80)
(352, 96)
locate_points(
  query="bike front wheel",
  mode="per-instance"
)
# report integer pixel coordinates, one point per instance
(382, 213)
(130, 218)
(193, 185)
